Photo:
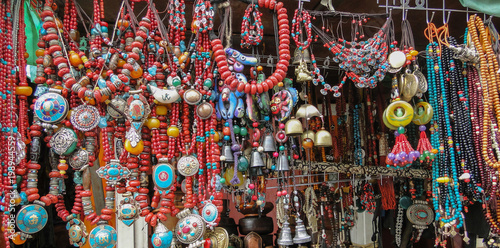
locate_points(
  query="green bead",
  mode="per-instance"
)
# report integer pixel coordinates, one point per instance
(176, 82)
(242, 164)
(399, 112)
(208, 83)
(236, 129)
(401, 130)
(243, 131)
(282, 148)
(222, 180)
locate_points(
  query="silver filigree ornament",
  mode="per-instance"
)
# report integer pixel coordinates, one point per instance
(188, 166)
(20, 148)
(190, 227)
(64, 141)
(137, 112)
(79, 160)
(85, 117)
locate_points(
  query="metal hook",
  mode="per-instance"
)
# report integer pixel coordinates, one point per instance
(467, 14)
(447, 18)
(432, 17)
(444, 11)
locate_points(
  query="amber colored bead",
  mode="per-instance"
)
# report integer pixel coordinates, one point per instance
(24, 91)
(307, 143)
(134, 150)
(173, 131)
(17, 239)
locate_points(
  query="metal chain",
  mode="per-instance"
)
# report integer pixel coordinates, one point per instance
(399, 225)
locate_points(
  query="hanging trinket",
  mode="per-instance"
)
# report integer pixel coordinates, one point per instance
(128, 209)
(162, 237)
(77, 232)
(137, 112)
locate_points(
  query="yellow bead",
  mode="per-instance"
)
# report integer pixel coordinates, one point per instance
(153, 123)
(435, 151)
(408, 57)
(414, 53)
(161, 110)
(173, 132)
(280, 84)
(134, 150)
(24, 91)
(443, 179)
(62, 172)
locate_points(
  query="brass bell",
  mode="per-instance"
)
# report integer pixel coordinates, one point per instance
(282, 163)
(285, 236)
(257, 160)
(228, 154)
(323, 138)
(301, 235)
(309, 134)
(301, 55)
(293, 127)
(269, 144)
(308, 111)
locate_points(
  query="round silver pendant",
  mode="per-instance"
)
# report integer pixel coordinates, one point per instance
(204, 110)
(31, 218)
(85, 117)
(116, 107)
(190, 229)
(188, 166)
(420, 214)
(192, 96)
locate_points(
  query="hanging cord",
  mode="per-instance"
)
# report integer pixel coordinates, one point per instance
(226, 29)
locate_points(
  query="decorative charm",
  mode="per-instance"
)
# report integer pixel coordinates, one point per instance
(188, 166)
(116, 108)
(163, 175)
(85, 117)
(113, 171)
(79, 160)
(282, 105)
(190, 227)
(164, 95)
(31, 218)
(137, 112)
(162, 238)
(103, 236)
(128, 209)
(77, 232)
(210, 213)
(204, 110)
(219, 237)
(64, 141)
(192, 96)
(51, 108)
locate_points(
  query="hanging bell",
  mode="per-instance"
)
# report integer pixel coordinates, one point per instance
(282, 163)
(323, 138)
(308, 111)
(309, 134)
(301, 55)
(285, 236)
(293, 127)
(269, 144)
(257, 160)
(228, 154)
(301, 235)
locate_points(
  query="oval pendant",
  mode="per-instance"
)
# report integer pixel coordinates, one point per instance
(51, 108)
(163, 175)
(397, 59)
(210, 213)
(116, 108)
(103, 236)
(192, 96)
(204, 110)
(77, 232)
(79, 159)
(31, 218)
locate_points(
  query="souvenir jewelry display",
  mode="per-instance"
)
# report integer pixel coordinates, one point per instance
(159, 110)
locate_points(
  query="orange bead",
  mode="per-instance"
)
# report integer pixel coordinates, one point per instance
(23, 90)
(173, 131)
(40, 52)
(408, 57)
(121, 62)
(17, 239)
(307, 143)
(135, 74)
(226, 131)
(75, 59)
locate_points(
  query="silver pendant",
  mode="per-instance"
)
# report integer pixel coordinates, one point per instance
(128, 210)
(79, 160)
(188, 166)
(190, 227)
(64, 141)
(85, 117)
